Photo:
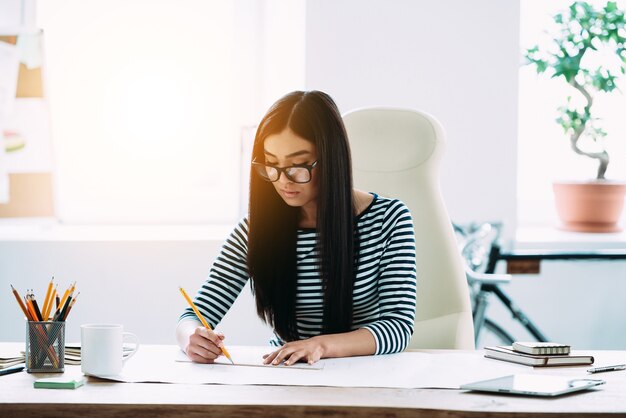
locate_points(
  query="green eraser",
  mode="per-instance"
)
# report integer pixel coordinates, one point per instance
(59, 383)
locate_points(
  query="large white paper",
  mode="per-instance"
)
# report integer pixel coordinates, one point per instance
(402, 370)
(27, 136)
(9, 68)
(249, 357)
(29, 46)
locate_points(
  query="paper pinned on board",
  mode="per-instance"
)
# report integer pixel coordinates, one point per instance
(28, 144)
(30, 50)
(9, 69)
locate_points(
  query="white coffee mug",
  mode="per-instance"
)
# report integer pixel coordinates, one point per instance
(102, 349)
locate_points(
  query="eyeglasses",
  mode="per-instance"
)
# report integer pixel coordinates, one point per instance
(295, 173)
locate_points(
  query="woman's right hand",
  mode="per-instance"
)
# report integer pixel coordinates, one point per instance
(204, 345)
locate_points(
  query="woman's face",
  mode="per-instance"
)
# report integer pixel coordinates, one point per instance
(287, 149)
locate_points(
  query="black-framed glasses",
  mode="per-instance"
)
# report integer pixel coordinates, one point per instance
(297, 173)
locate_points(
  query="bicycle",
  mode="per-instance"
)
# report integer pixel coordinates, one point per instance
(479, 247)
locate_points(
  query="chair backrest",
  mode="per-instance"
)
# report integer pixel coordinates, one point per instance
(396, 153)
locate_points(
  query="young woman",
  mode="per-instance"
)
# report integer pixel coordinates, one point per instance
(332, 268)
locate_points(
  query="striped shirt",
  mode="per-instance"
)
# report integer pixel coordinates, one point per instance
(384, 292)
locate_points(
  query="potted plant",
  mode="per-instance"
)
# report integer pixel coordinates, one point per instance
(595, 205)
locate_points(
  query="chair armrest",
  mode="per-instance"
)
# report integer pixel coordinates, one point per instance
(473, 277)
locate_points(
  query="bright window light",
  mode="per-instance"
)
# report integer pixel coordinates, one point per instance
(142, 116)
(543, 149)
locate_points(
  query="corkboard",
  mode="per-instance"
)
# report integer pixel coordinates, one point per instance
(29, 81)
(11, 39)
(30, 193)
(30, 196)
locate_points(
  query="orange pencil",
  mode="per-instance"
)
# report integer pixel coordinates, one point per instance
(46, 300)
(19, 301)
(50, 302)
(31, 309)
(204, 322)
(73, 288)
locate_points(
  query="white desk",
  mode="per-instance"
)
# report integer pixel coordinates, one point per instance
(104, 398)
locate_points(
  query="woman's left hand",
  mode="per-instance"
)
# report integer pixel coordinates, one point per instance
(309, 350)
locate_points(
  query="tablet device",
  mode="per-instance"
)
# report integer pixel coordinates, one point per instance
(533, 385)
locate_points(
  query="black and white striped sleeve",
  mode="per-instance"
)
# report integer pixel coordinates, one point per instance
(397, 282)
(226, 279)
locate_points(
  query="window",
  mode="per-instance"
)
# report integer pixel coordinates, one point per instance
(543, 148)
(141, 102)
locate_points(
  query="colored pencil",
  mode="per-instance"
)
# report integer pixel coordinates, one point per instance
(47, 300)
(35, 306)
(19, 301)
(58, 316)
(31, 309)
(69, 308)
(63, 299)
(52, 297)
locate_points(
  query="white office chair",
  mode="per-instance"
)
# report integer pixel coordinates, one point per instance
(396, 153)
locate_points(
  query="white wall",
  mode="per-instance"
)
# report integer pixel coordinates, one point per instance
(574, 302)
(16, 13)
(134, 283)
(456, 60)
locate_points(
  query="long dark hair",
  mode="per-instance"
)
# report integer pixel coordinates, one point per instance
(273, 224)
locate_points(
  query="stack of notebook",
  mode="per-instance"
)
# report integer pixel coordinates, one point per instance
(538, 354)
(8, 359)
(72, 355)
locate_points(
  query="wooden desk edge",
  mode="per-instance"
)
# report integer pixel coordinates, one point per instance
(261, 411)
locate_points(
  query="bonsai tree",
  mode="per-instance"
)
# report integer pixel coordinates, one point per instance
(581, 29)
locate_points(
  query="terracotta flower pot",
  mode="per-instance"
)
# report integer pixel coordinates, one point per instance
(592, 206)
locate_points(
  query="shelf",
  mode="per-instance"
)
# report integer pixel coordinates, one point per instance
(44, 229)
(551, 238)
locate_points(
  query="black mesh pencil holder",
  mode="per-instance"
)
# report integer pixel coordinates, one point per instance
(45, 347)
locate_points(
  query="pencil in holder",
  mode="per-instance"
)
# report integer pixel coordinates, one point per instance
(45, 346)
